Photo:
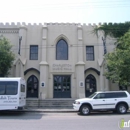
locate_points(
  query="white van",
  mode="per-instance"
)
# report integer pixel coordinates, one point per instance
(12, 93)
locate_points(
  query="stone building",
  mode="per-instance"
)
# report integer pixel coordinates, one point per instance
(58, 60)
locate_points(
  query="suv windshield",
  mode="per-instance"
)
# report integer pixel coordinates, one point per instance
(91, 96)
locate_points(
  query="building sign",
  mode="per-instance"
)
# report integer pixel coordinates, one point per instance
(61, 67)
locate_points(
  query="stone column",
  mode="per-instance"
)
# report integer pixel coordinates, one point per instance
(17, 72)
(43, 79)
(101, 79)
(44, 67)
(22, 42)
(106, 84)
(19, 69)
(22, 70)
(79, 79)
(80, 65)
(80, 44)
(100, 61)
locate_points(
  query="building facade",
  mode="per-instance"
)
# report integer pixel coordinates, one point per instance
(58, 60)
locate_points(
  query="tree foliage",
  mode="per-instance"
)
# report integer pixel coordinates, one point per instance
(6, 56)
(115, 30)
(118, 61)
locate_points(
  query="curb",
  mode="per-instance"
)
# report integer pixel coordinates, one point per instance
(50, 110)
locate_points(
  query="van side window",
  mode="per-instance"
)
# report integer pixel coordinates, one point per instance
(11, 88)
(8, 88)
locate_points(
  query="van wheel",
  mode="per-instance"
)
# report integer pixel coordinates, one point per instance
(122, 108)
(85, 110)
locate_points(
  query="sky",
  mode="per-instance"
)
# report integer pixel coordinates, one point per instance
(64, 11)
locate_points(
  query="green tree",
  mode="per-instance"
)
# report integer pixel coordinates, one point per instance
(118, 61)
(6, 56)
(115, 30)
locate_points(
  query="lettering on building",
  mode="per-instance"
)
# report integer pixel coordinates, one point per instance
(62, 67)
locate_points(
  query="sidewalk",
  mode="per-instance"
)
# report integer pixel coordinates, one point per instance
(51, 110)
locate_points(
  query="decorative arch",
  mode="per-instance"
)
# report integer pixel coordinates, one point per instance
(62, 50)
(32, 87)
(62, 36)
(90, 85)
(95, 70)
(30, 69)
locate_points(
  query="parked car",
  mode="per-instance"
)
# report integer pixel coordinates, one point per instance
(118, 101)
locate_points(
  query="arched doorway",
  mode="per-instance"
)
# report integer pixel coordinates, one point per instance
(32, 87)
(90, 85)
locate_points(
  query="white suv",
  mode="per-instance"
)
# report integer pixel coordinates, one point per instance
(111, 100)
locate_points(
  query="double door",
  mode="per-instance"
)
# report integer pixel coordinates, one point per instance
(62, 86)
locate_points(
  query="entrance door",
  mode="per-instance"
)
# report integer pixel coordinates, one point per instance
(62, 86)
(32, 87)
(90, 85)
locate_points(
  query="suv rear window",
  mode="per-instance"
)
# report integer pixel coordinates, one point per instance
(116, 95)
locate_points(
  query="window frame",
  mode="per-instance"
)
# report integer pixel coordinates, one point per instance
(36, 57)
(92, 53)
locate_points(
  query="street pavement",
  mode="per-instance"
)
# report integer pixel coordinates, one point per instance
(52, 110)
(61, 121)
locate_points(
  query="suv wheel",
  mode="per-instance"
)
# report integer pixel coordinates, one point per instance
(122, 108)
(85, 110)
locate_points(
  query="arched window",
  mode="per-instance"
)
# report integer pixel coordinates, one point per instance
(62, 50)
(90, 85)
